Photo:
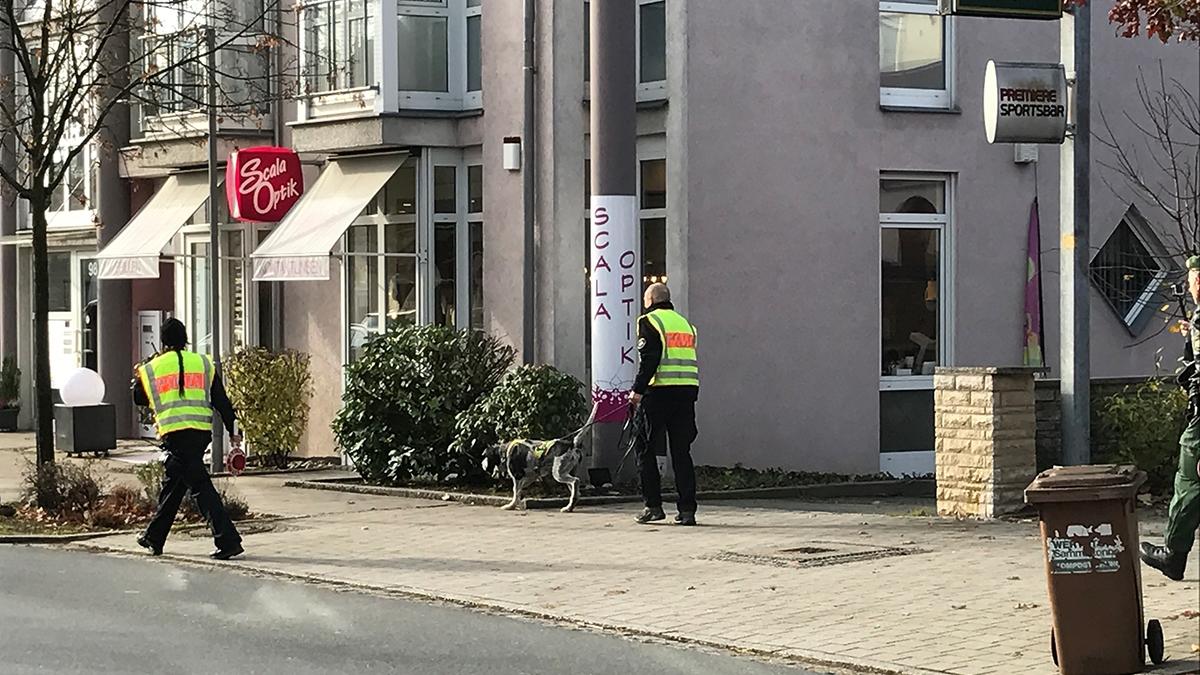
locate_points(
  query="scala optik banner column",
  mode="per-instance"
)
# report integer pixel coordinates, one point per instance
(616, 302)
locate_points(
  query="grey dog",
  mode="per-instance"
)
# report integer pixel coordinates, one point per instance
(526, 461)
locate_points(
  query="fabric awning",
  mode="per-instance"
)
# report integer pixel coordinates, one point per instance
(299, 247)
(134, 252)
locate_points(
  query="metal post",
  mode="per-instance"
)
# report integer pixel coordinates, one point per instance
(214, 228)
(1074, 256)
(616, 269)
(529, 180)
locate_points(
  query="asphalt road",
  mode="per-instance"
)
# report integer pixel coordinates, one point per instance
(74, 612)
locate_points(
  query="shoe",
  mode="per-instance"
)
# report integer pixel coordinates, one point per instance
(1161, 559)
(145, 543)
(685, 519)
(227, 553)
(649, 515)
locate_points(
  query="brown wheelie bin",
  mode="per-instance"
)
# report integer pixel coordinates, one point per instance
(1090, 540)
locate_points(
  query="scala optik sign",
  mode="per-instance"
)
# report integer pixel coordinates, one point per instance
(1025, 102)
(262, 184)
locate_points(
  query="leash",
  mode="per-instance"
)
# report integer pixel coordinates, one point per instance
(632, 423)
(593, 421)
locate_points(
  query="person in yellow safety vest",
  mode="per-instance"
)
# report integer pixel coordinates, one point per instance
(667, 386)
(183, 389)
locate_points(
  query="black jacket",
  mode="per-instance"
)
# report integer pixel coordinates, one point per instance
(218, 395)
(650, 349)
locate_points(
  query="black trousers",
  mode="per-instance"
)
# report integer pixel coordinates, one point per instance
(186, 472)
(671, 424)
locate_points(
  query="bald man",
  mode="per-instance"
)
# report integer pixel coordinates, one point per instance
(667, 385)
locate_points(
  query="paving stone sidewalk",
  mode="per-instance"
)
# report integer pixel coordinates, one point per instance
(965, 598)
(908, 594)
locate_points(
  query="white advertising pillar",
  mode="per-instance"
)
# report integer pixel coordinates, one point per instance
(615, 238)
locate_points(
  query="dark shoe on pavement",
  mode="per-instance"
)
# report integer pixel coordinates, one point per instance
(146, 544)
(649, 515)
(685, 519)
(227, 553)
(1161, 559)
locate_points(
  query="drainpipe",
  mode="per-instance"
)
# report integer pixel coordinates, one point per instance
(528, 176)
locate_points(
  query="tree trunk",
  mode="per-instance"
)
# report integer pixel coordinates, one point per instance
(43, 404)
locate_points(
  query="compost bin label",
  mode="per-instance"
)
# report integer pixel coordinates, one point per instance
(1084, 549)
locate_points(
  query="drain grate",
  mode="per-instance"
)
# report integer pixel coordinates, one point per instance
(824, 554)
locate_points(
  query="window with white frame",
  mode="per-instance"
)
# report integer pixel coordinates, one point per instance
(439, 51)
(915, 323)
(651, 48)
(339, 45)
(172, 42)
(73, 201)
(1129, 270)
(916, 55)
(415, 254)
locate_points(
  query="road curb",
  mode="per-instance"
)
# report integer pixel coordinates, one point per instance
(915, 488)
(787, 654)
(59, 538)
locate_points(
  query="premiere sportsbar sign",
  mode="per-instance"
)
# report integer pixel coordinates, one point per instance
(1025, 102)
(1004, 9)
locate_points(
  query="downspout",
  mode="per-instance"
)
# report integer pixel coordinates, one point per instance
(528, 178)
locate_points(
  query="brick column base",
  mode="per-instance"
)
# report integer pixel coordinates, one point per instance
(986, 431)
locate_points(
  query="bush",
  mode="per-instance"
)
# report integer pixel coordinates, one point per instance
(270, 391)
(10, 383)
(537, 402)
(151, 475)
(64, 490)
(403, 394)
(1141, 425)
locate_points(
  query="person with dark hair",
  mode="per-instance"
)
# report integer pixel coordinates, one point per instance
(183, 389)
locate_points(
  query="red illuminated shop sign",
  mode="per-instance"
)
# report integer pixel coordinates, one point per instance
(262, 184)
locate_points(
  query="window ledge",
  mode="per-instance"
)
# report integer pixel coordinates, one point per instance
(953, 110)
(656, 104)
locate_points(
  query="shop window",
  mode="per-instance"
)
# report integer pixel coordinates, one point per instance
(1129, 270)
(916, 51)
(60, 281)
(415, 254)
(913, 235)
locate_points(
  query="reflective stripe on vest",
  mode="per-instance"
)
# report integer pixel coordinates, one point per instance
(176, 410)
(679, 365)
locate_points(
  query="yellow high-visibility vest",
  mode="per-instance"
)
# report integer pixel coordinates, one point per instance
(176, 409)
(678, 365)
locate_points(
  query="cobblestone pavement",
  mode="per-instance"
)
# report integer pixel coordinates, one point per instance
(865, 585)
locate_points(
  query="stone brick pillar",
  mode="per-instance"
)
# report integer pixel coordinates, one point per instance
(986, 432)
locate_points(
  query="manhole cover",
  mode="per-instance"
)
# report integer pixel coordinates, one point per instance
(823, 554)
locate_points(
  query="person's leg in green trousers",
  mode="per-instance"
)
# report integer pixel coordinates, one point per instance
(1183, 517)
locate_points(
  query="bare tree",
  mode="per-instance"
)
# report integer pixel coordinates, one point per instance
(78, 65)
(1154, 161)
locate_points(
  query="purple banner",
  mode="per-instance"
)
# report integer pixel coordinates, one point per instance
(1033, 291)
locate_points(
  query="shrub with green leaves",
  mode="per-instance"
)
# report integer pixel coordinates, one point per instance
(537, 402)
(1141, 425)
(403, 394)
(270, 391)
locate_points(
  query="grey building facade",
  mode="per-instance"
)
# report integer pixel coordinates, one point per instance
(814, 185)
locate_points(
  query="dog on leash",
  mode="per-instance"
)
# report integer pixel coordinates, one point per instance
(527, 461)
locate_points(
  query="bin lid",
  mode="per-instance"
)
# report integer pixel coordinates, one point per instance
(1094, 482)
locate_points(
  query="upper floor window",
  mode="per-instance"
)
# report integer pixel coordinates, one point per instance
(1129, 270)
(651, 48)
(916, 55)
(172, 43)
(432, 53)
